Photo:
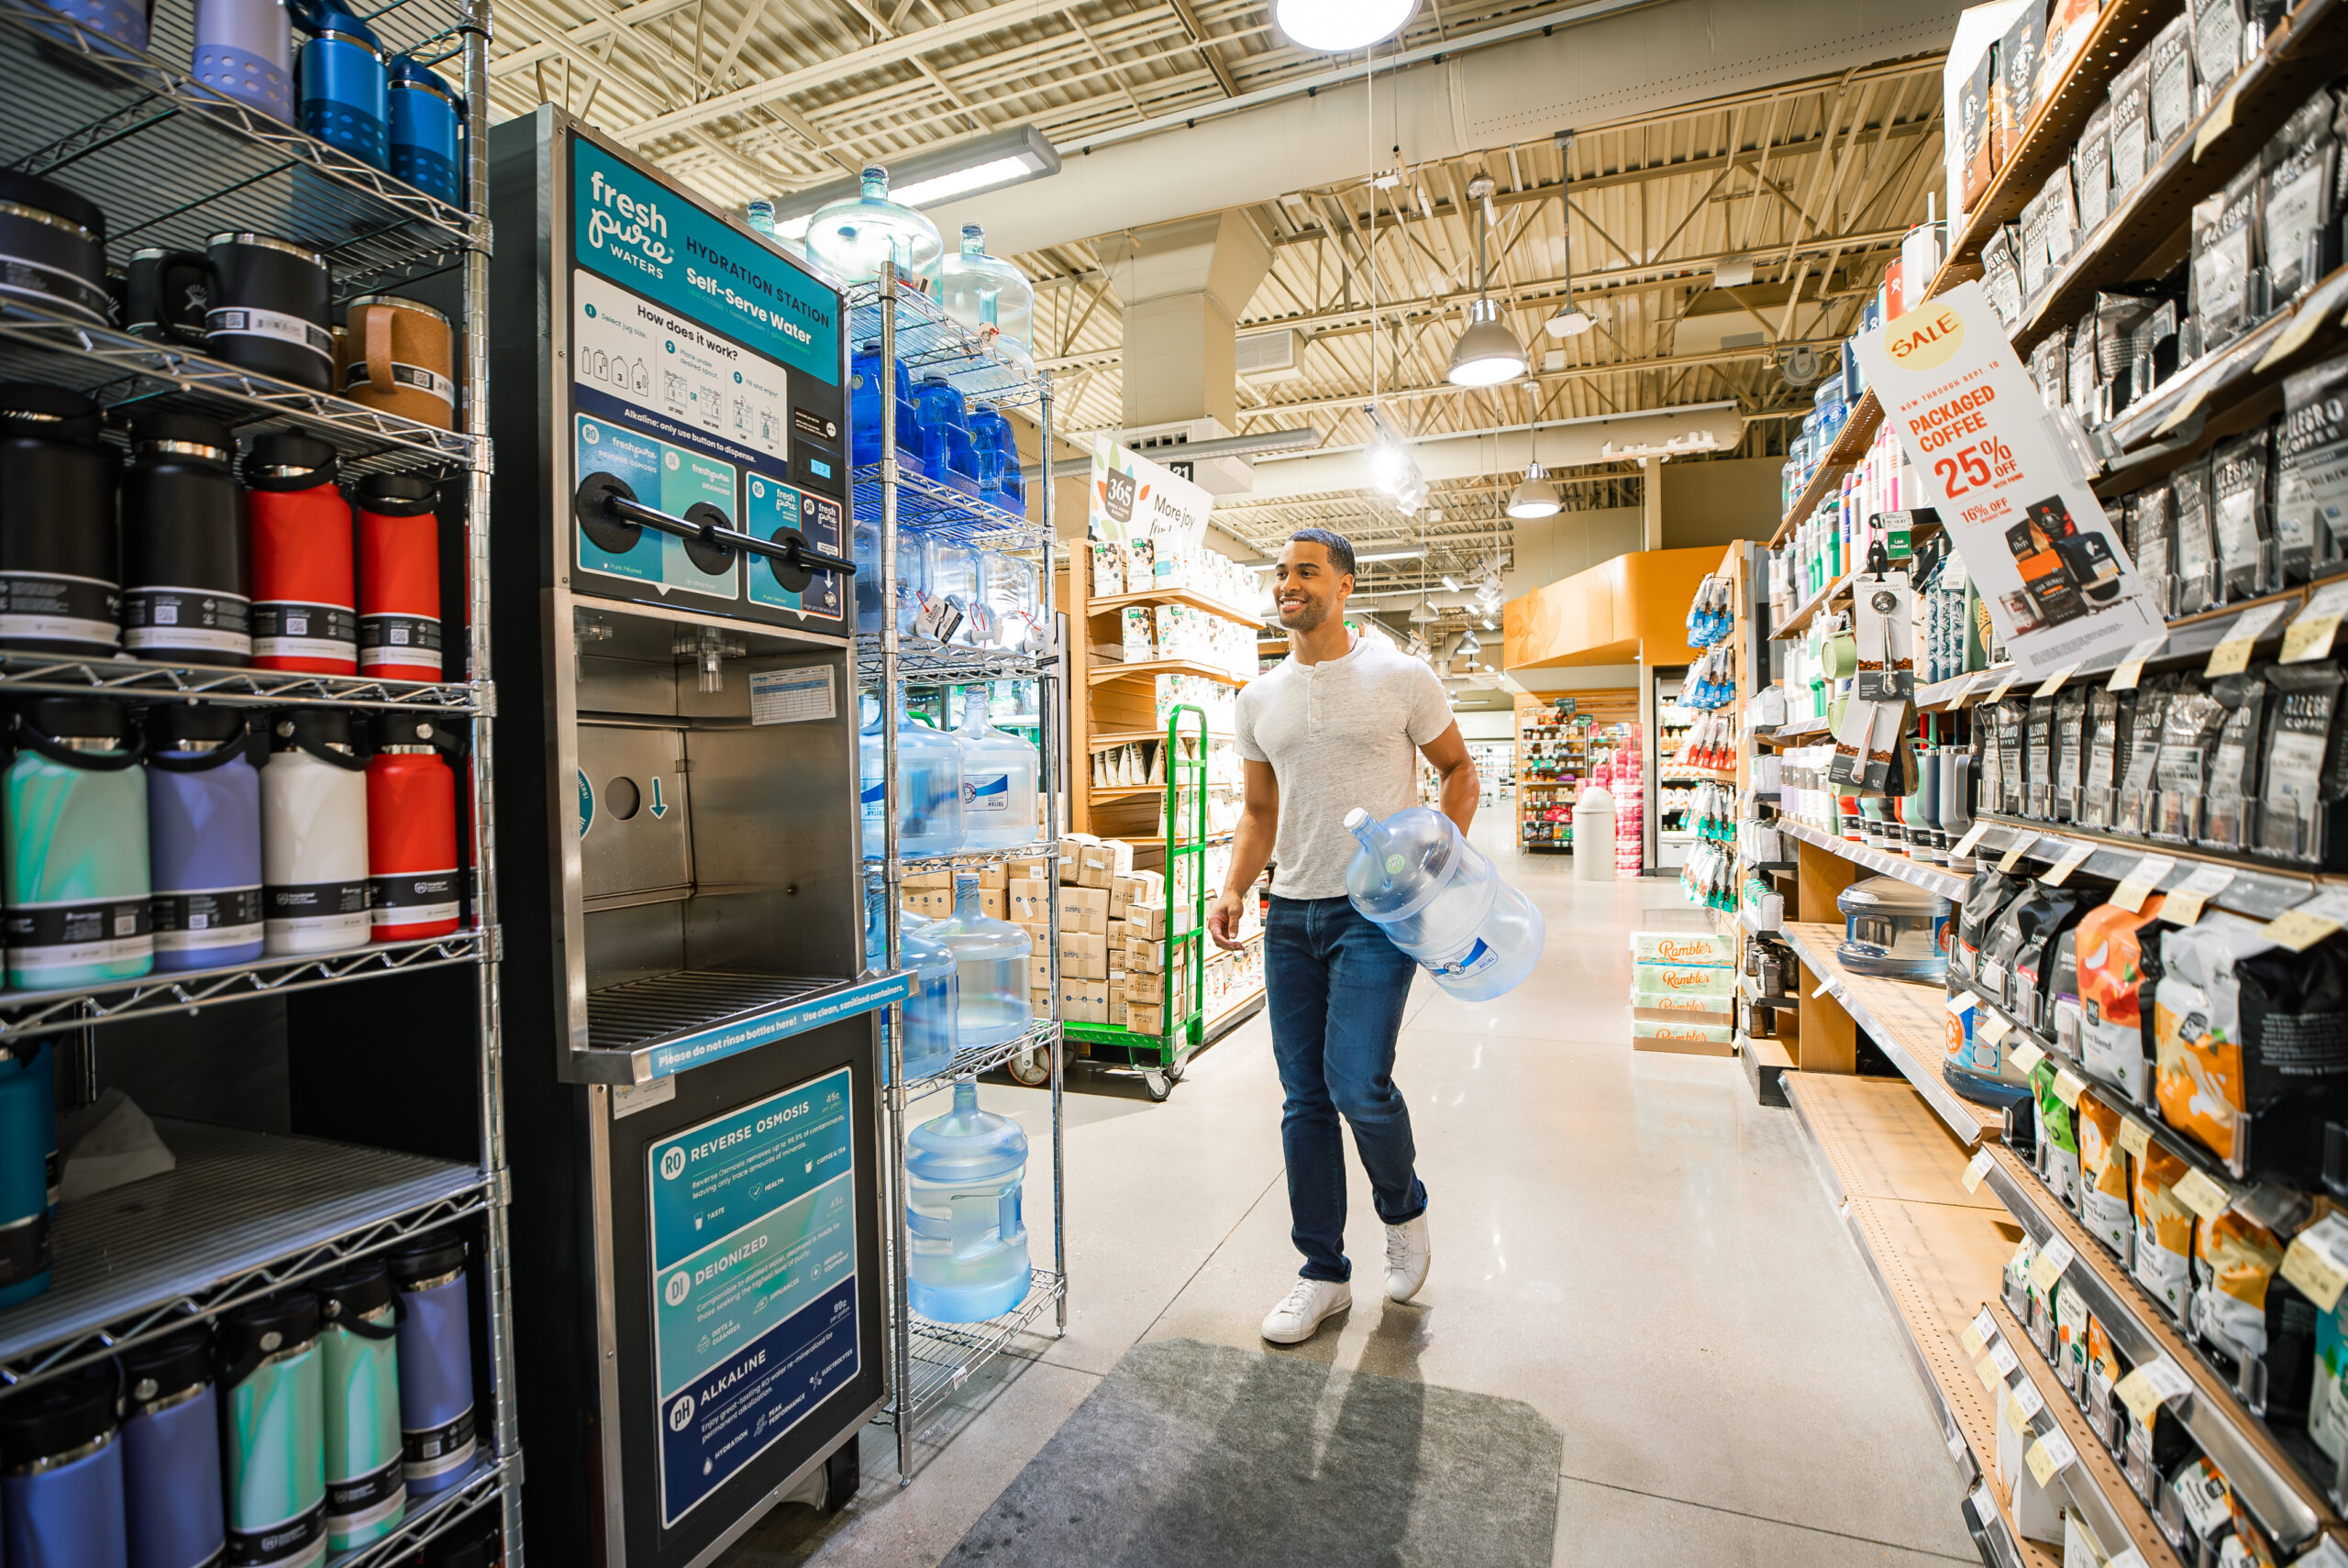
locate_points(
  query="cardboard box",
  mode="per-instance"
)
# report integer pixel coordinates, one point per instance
(1072, 851)
(1039, 970)
(1145, 1018)
(1037, 932)
(930, 903)
(1143, 955)
(994, 874)
(1084, 1002)
(994, 903)
(1032, 868)
(1086, 909)
(1150, 888)
(1145, 921)
(1121, 857)
(1084, 955)
(1030, 902)
(1121, 893)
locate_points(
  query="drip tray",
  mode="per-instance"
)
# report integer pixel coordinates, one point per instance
(662, 1024)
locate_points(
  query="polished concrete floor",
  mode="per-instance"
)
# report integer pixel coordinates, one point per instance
(1622, 1238)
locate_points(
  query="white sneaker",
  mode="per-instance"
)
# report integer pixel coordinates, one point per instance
(1409, 1252)
(1310, 1304)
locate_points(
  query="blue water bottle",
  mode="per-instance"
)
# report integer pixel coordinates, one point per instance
(427, 130)
(435, 1363)
(75, 839)
(61, 1475)
(203, 837)
(366, 1497)
(244, 50)
(273, 1432)
(344, 89)
(170, 1453)
(27, 1151)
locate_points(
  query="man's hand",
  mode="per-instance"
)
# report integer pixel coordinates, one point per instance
(1223, 919)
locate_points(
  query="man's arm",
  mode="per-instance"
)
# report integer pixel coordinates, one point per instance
(1448, 754)
(1251, 845)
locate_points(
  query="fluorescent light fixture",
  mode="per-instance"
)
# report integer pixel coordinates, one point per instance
(932, 179)
(1449, 584)
(1487, 624)
(1536, 497)
(1391, 555)
(1731, 272)
(1488, 352)
(1337, 26)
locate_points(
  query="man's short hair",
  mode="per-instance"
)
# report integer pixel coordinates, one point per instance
(1340, 549)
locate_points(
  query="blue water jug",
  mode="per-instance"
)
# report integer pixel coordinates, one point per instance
(963, 1175)
(867, 377)
(1438, 900)
(1000, 482)
(942, 425)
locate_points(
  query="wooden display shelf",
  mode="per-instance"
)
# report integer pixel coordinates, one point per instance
(1113, 738)
(1851, 445)
(1102, 673)
(1825, 596)
(1948, 884)
(1907, 1021)
(1190, 597)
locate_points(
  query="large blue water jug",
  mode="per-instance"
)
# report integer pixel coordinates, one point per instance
(1442, 902)
(868, 380)
(963, 1175)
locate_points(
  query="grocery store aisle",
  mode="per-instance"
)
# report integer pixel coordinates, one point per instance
(1624, 1241)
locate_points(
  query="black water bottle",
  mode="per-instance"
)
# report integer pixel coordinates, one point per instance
(60, 574)
(187, 576)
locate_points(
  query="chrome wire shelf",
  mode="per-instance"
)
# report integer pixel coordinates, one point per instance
(243, 1214)
(929, 506)
(638, 1013)
(41, 673)
(1042, 1034)
(931, 664)
(172, 162)
(945, 1355)
(28, 1014)
(125, 373)
(932, 344)
(971, 859)
(433, 1517)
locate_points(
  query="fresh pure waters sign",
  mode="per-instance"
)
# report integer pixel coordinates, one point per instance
(2058, 581)
(753, 1220)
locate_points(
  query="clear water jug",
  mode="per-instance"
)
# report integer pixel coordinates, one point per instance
(991, 964)
(852, 238)
(982, 292)
(930, 789)
(760, 213)
(929, 1011)
(1000, 774)
(1012, 604)
(913, 579)
(964, 1173)
(1442, 902)
(957, 575)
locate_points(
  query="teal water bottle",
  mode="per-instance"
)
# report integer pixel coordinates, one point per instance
(358, 1335)
(78, 886)
(272, 1433)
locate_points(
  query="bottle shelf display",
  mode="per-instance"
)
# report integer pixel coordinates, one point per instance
(1551, 766)
(119, 135)
(905, 512)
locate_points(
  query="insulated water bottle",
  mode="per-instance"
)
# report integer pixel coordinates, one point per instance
(399, 577)
(991, 970)
(930, 789)
(314, 835)
(75, 831)
(61, 1475)
(1000, 776)
(306, 612)
(969, 1245)
(412, 830)
(187, 580)
(170, 1453)
(436, 1355)
(124, 21)
(1438, 900)
(60, 573)
(272, 308)
(366, 1496)
(273, 1432)
(203, 837)
(244, 49)
(345, 87)
(28, 1107)
(427, 130)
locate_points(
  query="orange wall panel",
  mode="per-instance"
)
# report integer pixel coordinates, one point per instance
(1631, 606)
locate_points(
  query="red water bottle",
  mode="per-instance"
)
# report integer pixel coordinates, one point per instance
(412, 871)
(304, 615)
(399, 577)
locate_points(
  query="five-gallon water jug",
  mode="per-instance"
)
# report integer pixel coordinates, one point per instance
(982, 292)
(853, 238)
(1000, 778)
(991, 964)
(1441, 901)
(963, 1174)
(942, 435)
(1014, 605)
(929, 791)
(957, 592)
(929, 1011)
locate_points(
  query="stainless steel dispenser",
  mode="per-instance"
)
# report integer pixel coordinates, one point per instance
(691, 1052)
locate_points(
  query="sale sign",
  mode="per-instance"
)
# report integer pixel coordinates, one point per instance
(2057, 579)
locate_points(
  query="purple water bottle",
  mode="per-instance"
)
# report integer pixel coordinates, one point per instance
(170, 1453)
(244, 49)
(203, 837)
(61, 1475)
(435, 1362)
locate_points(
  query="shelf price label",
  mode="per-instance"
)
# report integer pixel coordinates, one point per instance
(2202, 1194)
(2067, 1084)
(2028, 1401)
(2308, 636)
(2050, 1454)
(2001, 1355)
(1971, 1340)
(2131, 894)
(2151, 1385)
(2015, 851)
(2134, 1137)
(2054, 682)
(2026, 1054)
(2181, 905)
(1972, 837)
(1975, 1169)
(2128, 1557)
(2301, 928)
(1996, 692)
(2317, 1261)
(1984, 1327)
(2074, 855)
(2052, 1259)
(1986, 1369)
(1960, 1003)
(2232, 657)
(2131, 665)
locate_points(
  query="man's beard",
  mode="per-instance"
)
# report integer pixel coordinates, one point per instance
(1308, 618)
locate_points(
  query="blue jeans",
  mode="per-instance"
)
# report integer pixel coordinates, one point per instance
(1335, 987)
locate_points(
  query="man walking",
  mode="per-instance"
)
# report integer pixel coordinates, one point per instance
(1333, 727)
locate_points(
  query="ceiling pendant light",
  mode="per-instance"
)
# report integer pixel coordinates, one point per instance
(1488, 352)
(1571, 321)
(1536, 497)
(1338, 26)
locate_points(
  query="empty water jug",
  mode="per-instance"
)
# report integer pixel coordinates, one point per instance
(929, 1011)
(1438, 900)
(955, 594)
(852, 238)
(991, 968)
(1014, 604)
(987, 294)
(963, 1175)
(930, 789)
(1000, 776)
(912, 577)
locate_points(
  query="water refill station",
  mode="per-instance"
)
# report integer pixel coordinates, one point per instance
(691, 1086)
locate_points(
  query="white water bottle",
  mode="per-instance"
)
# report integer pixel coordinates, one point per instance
(314, 835)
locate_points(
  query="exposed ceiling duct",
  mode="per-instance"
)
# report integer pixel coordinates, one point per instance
(1572, 444)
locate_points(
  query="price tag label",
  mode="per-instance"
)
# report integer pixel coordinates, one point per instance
(2131, 666)
(2015, 851)
(2052, 1259)
(1971, 836)
(2131, 894)
(2216, 123)
(2134, 1137)
(2308, 636)
(2128, 1557)
(2016, 1415)
(2151, 1385)
(1975, 1169)
(2302, 928)
(2073, 857)
(2054, 682)
(2182, 904)
(2028, 1400)
(2232, 657)
(1960, 1003)
(1986, 1369)
(2049, 1455)
(2184, 411)
(2204, 1196)
(1972, 683)
(1997, 692)
(2002, 1355)
(1985, 1325)
(1971, 1340)
(2067, 1084)
(2317, 1261)
(2026, 1056)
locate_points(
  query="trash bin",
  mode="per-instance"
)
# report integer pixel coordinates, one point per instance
(1594, 836)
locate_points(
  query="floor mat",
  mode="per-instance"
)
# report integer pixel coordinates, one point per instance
(1194, 1455)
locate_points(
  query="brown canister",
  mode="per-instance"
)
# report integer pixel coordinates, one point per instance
(401, 357)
